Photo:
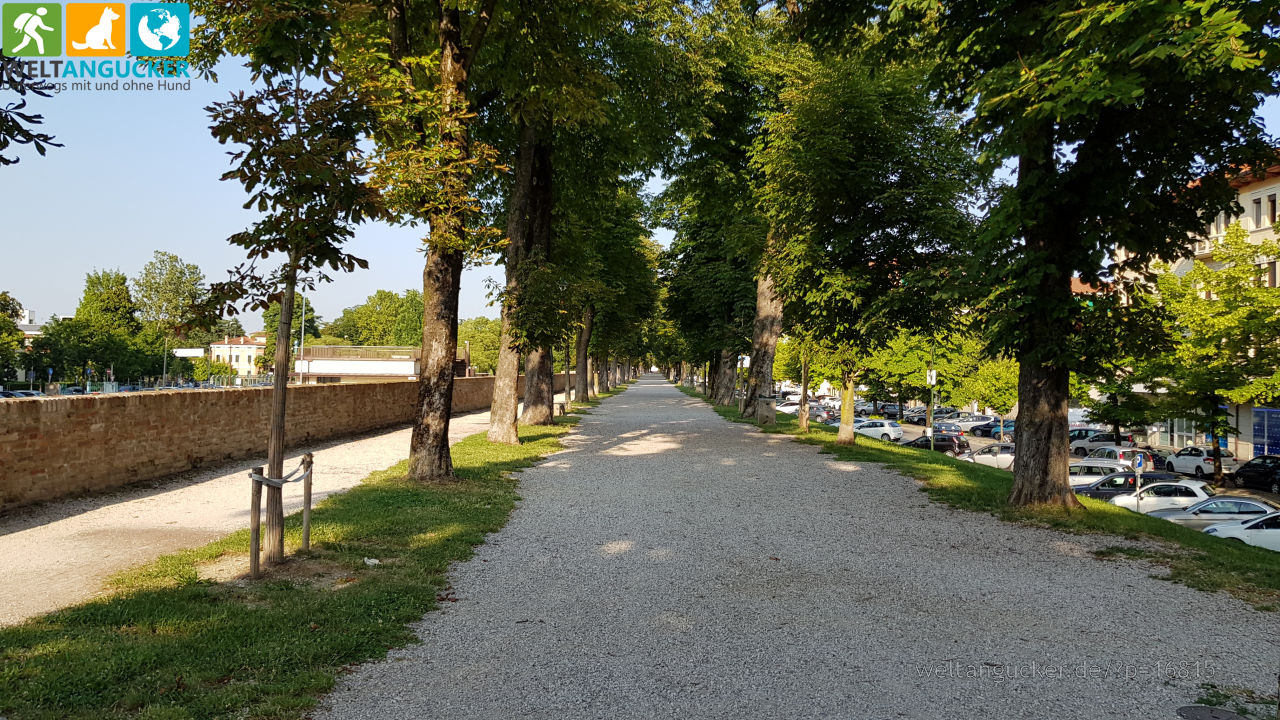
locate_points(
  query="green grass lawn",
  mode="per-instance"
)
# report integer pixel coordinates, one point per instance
(1195, 559)
(174, 642)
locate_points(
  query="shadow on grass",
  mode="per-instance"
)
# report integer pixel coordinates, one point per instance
(1193, 558)
(170, 643)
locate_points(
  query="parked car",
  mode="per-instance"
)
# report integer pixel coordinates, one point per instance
(945, 443)
(883, 429)
(71, 390)
(1082, 433)
(1263, 532)
(1125, 454)
(1262, 472)
(1085, 445)
(1198, 460)
(889, 410)
(1120, 483)
(1091, 470)
(992, 428)
(999, 455)
(1217, 510)
(969, 423)
(7, 394)
(951, 428)
(1160, 496)
(27, 393)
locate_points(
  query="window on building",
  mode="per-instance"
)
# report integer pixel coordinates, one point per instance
(1271, 274)
(1271, 208)
(1257, 213)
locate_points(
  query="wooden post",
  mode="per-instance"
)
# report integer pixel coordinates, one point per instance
(307, 462)
(255, 523)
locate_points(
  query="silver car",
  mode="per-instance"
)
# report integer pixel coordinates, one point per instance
(1216, 510)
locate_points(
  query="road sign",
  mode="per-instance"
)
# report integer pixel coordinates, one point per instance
(932, 377)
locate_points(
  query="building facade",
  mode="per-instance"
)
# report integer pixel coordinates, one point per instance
(240, 353)
(1258, 424)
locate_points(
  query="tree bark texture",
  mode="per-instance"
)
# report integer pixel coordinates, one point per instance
(1040, 465)
(726, 368)
(764, 341)
(429, 458)
(539, 389)
(523, 225)
(845, 435)
(273, 543)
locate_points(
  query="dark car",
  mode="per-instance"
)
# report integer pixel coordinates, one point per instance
(7, 394)
(1122, 482)
(1262, 472)
(72, 390)
(992, 429)
(947, 443)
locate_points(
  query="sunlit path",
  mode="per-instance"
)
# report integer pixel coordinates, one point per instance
(672, 564)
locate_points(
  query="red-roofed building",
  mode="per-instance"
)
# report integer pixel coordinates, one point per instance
(241, 353)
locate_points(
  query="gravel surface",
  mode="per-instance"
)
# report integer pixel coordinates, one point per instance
(58, 554)
(671, 564)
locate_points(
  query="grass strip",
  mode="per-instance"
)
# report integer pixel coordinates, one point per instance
(170, 641)
(1193, 558)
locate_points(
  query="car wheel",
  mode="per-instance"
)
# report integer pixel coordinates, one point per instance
(885, 437)
(1199, 473)
(1080, 452)
(949, 453)
(1169, 467)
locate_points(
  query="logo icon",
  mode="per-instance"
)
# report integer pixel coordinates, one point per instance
(160, 29)
(32, 29)
(95, 29)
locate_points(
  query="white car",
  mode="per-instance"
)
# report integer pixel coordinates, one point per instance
(969, 423)
(1198, 460)
(1165, 495)
(999, 455)
(1263, 532)
(883, 429)
(1090, 470)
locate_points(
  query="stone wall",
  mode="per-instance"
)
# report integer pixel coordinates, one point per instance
(53, 447)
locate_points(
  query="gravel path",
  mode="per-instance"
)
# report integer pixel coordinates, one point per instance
(60, 553)
(671, 564)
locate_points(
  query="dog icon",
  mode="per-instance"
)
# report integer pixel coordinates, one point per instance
(99, 36)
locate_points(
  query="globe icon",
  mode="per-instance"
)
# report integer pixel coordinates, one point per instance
(159, 29)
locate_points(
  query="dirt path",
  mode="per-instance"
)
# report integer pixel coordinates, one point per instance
(59, 554)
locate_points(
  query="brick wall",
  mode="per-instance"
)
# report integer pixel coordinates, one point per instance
(58, 446)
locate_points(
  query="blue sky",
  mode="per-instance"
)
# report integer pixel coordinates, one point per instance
(139, 172)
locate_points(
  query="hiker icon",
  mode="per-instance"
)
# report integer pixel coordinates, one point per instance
(30, 25)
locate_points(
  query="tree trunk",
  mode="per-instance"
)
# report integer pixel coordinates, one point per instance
(1115, 419)
(706, 380)
(273, 542)
(803, 410)
(1216, 446)
(725, 377)
(429, 458)
(764, 341)
(1040, 465)
(846, 435)
(521, 209)
(539, 385)
(602, 373)
(593, 387)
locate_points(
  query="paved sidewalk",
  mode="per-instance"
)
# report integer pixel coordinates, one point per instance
(60, 553)
(670, 564)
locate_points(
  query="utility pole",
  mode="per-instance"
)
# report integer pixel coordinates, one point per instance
(931, 379)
